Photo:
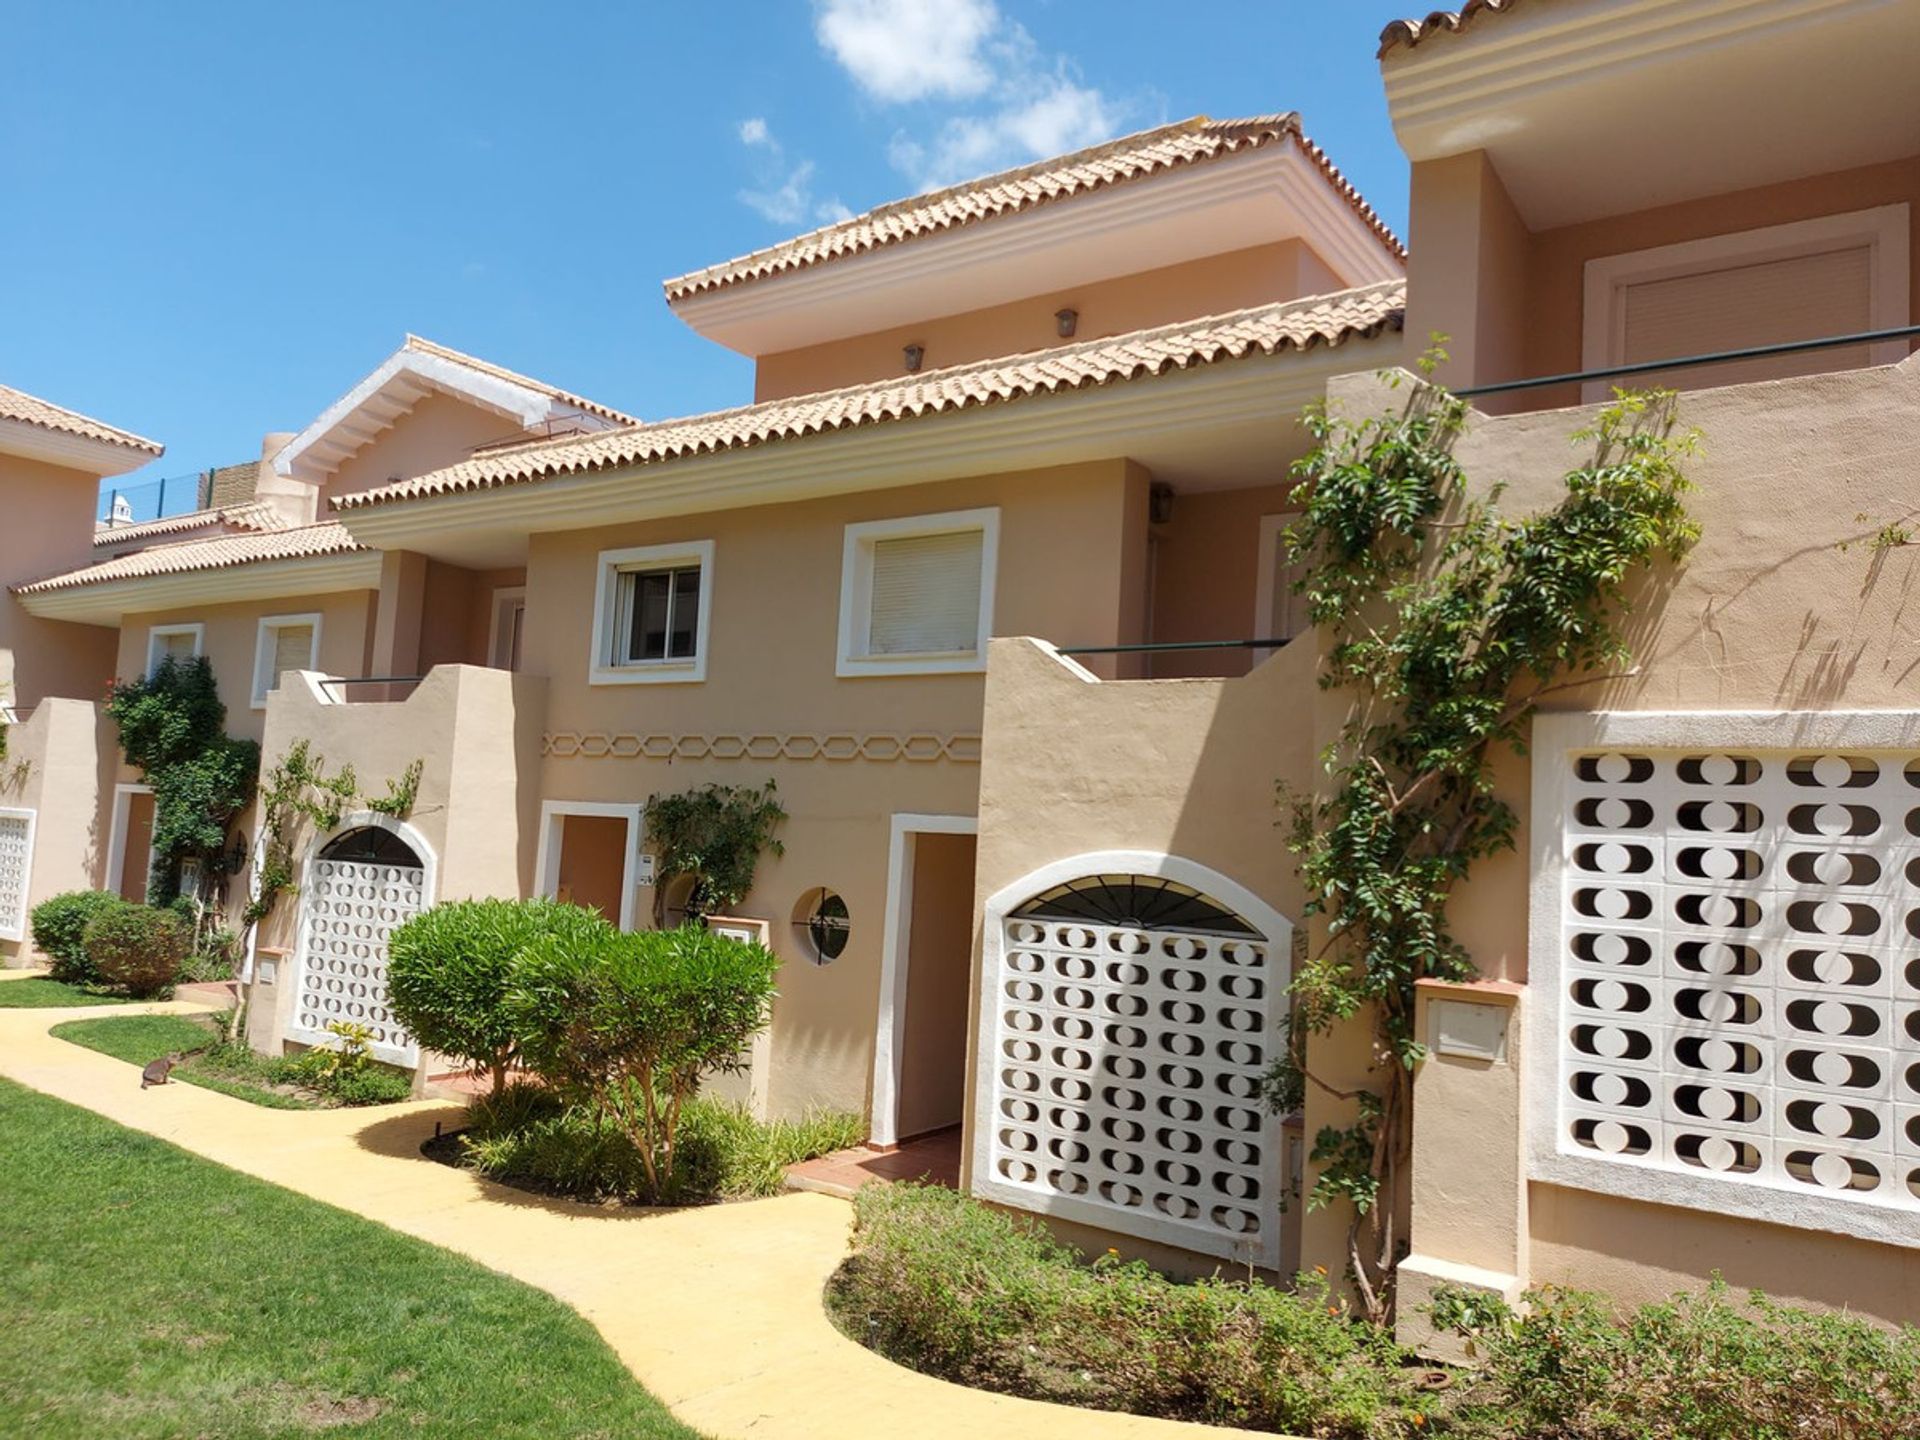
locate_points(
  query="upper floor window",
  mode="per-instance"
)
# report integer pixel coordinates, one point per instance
(651, 614)
(916, 594)
(1811, 280)
(285, 642)
(174, 642)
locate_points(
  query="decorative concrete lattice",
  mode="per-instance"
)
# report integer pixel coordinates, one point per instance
(884, 749)
(1739, 979)
(16, 865)
(349, 909)
(1126, 1087)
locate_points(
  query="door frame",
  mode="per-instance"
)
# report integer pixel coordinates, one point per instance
(123, 794)
(553, 816)
(883, 1128)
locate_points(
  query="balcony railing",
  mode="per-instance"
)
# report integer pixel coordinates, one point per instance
(369, 689)
(155, 499)
(1158, 647)
(1687, 362)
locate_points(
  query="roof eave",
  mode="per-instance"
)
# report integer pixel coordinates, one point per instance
(70, 451)
(107, 602)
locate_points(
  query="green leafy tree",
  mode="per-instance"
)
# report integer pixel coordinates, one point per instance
(716, 834)
(1446, 621)
(450, 968)
(629, 1023)
(172, 728)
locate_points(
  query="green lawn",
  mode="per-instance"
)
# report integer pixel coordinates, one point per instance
(146, 1293)
(139, 1038)
(40, 993)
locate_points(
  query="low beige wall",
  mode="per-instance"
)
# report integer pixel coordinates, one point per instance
(1185, 768)
(477, 732)
(60, 765)
(1783, 605)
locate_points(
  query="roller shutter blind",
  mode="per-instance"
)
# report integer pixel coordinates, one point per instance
(292, 650)
(926, 594)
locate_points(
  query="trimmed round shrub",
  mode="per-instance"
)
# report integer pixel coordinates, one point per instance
(59, 932)
(137, 948)
(448, 972)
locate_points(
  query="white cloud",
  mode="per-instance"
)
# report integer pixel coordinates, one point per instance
(784, 193)
(786, 201)
(901, 50)
(1027, 107)
(754, 132)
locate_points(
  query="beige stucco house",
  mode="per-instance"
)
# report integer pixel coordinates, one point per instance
(989, 580)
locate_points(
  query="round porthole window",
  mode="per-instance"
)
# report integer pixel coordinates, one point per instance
(821, 925)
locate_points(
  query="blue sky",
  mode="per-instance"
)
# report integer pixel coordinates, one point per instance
(217, 217)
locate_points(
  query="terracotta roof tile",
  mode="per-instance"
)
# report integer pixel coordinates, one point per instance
(32, 410)
(218, 553)
(565, 397)
(1409, 33)
(1264, 330)
(1132, 157)
(255, 515)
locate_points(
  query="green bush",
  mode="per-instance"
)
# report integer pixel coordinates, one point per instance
(448, 972)
(1697, 1367)
(628, 1023)
(59, 932)
(527, 1135)
(951, 1287)
(343, 1071)
(137, 948)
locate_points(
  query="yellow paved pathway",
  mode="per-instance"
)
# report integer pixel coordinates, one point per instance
(717, 1310)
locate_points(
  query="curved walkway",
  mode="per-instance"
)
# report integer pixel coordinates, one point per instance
(716, 1310)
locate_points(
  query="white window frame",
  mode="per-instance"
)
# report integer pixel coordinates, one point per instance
(553, 818)
(264, 645)
(856, 593)
(505, 598)
(610, 566)
(157, 633)
(1270, 576)
(1885, 230)
(1559, 735)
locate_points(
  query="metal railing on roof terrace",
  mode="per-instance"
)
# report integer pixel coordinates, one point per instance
(154, 499)
(1688, 362)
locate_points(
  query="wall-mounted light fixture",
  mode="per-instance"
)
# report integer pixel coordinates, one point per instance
(1159, 502)
(1066, 322)
(915, 354)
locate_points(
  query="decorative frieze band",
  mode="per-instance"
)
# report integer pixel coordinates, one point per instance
(914, 749)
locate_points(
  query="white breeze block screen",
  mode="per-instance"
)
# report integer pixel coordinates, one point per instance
(1732, 969)
(1127, 1018)
(16, 868)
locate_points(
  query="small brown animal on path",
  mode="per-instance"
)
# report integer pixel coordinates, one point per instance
(156, 1071)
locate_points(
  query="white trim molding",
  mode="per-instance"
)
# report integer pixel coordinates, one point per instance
(1215, 976)
(123, 794)
(895, 957)
(1722, 1017)
(546, 866)
(609, 568)
(856, 593)
(265, 643)
(1884, 231)
(157, 633)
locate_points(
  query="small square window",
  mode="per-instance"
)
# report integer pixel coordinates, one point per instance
(285, 642)
(916, 594)
(174, 642)
(650, 624)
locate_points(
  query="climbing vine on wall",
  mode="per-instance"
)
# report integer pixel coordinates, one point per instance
(716, 834)
(173, 729)
(1445, 621)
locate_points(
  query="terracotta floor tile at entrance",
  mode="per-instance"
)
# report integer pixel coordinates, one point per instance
(934, 1157)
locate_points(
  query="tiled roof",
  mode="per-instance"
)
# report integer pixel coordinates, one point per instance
(1409, 33)
(1150, 152)
(32, 410)
(565, 397)
(1265, 330)
(217, 553)
(255, 515)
